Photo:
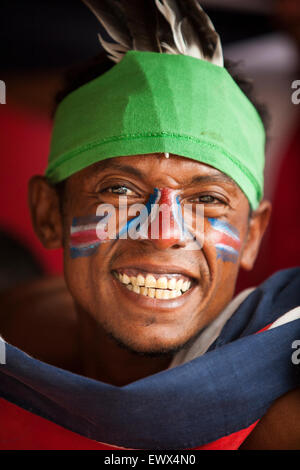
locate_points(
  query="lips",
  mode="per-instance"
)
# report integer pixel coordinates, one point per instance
(163, 286)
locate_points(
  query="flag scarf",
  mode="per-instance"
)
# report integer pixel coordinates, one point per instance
(211, 402)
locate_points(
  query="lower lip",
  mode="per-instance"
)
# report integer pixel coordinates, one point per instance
(149, 302)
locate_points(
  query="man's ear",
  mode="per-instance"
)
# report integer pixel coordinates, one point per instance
(45, 212)
(257, 226)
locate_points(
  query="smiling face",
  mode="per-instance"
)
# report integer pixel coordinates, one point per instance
(152, 295)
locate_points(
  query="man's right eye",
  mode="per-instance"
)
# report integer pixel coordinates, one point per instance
(123, 190)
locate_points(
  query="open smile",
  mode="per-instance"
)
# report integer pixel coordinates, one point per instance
(162, 286)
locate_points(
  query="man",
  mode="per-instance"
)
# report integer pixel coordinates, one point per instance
(154, 189)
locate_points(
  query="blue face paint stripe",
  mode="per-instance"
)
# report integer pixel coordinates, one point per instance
(180, 220)
(224, 227)
(83, 251)
(226, 256)
(153, 199)
(177, 213)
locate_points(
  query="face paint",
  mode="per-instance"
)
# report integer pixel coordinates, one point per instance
(226, 240)
(136, 223)
(86, 234)
(160, 218)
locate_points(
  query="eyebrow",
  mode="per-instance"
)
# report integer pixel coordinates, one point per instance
(218, 178)
(103, 165)
(116, 165)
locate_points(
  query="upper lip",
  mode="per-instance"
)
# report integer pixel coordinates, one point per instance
(159, 269)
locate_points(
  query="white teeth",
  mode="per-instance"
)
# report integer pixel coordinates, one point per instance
(185, 286)
(140, 280)
(159, 293)
(151, 293)
(125, 279)
(144, 291)
(172, 283)
(161, 288)
(150, 281)
(166, 294)
(162, 283)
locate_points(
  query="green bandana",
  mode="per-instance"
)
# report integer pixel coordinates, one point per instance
(151, 102)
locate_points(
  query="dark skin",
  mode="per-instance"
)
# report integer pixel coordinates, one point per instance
(104, 307)
(104, 311)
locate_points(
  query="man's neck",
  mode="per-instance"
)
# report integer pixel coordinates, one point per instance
(100, 357)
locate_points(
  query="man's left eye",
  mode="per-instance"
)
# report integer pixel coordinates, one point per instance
(122, 190)
(208, 199)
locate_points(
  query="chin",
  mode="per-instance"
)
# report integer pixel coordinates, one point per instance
(152, 346)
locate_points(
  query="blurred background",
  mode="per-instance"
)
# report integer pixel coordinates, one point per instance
(40, 40)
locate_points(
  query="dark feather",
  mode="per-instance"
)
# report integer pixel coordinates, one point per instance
(140, 17)
(169, 26)
(112, 19)
(200, 21)
(163, 30)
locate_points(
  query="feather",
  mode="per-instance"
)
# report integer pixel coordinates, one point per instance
(111, 19)
(166, 26)
(171, 13)
(140, 18)
(116, 51)
(204, 28)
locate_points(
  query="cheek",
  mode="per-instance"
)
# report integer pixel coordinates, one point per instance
(76, 273)
(224, 239)
(86, 275)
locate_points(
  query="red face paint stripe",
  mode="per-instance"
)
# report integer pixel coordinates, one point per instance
(224, 239)
(88, 237)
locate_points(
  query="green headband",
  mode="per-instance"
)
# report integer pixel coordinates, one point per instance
(153, 102)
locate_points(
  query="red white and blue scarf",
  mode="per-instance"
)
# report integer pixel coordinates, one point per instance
(211, 402)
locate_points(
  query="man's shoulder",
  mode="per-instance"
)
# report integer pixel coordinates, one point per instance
(39, 318)
(279, 429)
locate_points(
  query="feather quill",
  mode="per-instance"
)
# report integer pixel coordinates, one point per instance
(167, 26)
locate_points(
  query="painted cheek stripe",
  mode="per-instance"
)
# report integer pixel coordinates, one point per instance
(226, 239)
(86, 235)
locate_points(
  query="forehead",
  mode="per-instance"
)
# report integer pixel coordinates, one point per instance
(155, 166)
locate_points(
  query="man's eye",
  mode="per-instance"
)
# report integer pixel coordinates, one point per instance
(123, 190)
(208, 199)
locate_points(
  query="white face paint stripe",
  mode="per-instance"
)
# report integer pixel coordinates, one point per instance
(83, 228)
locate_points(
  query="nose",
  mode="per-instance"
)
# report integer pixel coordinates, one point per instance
(166, 228)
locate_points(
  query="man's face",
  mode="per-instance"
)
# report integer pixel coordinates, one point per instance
(99, 281)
